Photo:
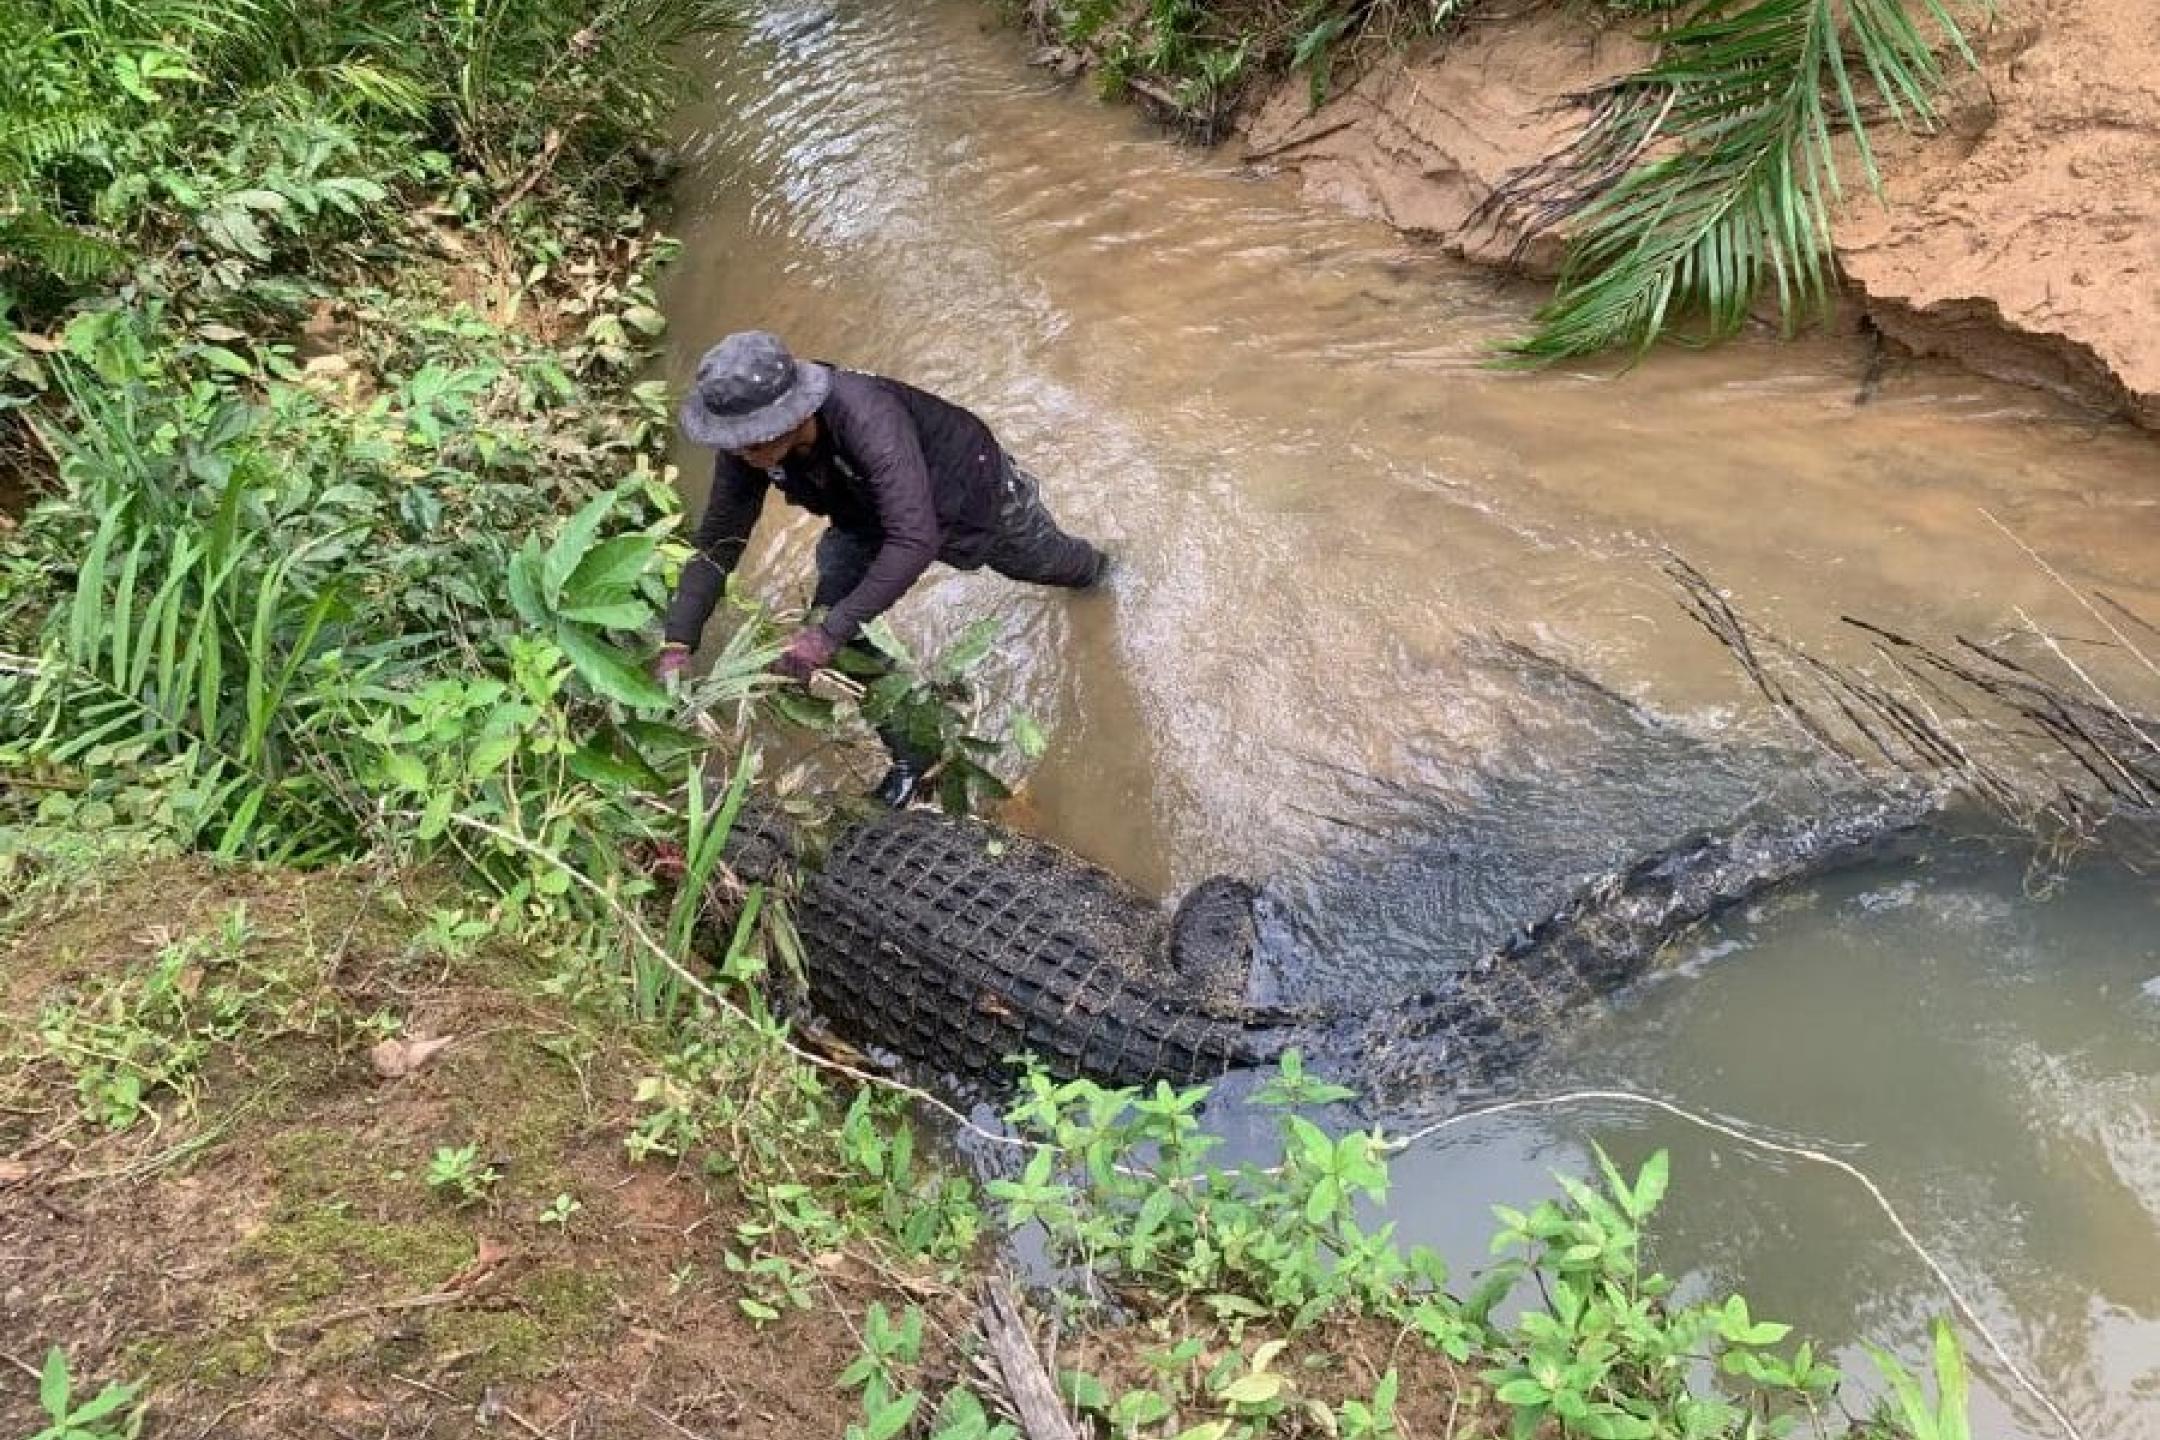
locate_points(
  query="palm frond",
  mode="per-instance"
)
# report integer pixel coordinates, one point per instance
(1711, 174)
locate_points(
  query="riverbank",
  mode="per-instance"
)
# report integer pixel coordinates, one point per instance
(2020, 240)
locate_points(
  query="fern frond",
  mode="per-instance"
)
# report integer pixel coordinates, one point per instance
(30, 144)
(35, 240)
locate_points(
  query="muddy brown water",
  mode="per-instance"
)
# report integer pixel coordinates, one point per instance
(1326, 508)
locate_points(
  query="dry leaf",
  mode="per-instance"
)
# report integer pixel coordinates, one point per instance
(13, 1172)
(395, 1059)
(491, 1255)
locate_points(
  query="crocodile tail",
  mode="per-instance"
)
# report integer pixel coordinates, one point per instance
(1494, 1012)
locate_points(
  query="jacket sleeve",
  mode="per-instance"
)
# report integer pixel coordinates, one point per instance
(731, 513)
(877, 433)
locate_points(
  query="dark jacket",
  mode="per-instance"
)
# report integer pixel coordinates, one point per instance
(894, 464)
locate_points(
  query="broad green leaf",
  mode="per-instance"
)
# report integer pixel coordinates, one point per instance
(1522, 1391)
(53, 1387)
(111, 1398)
(893, 1417)
(405, 771)
(1153, 1212)
(797, 708)
(490, 754)
(1650, 1185)
(524, 578)
(609, 671)
(1324, 1201)
(435, 817)
(622, 615)
(879, 633)
(1083, 1391)
(1027, 736)
(601, 764)
(572, 546)
(968, 651)
(228, 362)
(1259, 1388)
(610, 570)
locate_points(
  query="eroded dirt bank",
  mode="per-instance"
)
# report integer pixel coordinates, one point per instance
(2023, 240)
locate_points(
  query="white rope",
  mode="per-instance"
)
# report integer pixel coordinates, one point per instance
(1964, 1307)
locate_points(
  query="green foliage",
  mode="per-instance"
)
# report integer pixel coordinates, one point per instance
(884, 1372)
(127, 1040)
(1908, 1412)
(98, 1418)
(557, 1212)
(819, 1171)
(259, 130)
(1603, 1349)
(458, 1172)
(1200, 55)
(932, 706)
(1710, 176)
(318, 616)
(1286, 1246)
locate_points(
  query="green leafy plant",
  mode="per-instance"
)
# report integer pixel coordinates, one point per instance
(1603, 1348)
(890, 1351)
(98, 1418)
(458, 1172)
(276, 125)
(931, 706)
(579, 588)
(1908, 1411)
(772, 1283)
(1373, 1419)
(960, 1416)
(1710, 176)
(126, 1040)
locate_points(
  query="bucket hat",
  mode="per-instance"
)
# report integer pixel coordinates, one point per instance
(750, 391)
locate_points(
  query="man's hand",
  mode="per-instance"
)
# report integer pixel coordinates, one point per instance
(671, 662)
(811, 650)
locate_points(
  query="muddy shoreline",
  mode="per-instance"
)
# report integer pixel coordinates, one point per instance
(2021, 241)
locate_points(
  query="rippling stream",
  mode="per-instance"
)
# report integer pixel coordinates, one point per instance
(1333, 517)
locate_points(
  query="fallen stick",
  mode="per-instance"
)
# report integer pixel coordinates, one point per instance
(1027, 1383)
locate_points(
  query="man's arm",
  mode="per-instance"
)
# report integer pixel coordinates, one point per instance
(731, 512)
(877, 433)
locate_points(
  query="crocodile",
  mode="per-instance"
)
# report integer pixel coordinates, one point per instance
(961, 945)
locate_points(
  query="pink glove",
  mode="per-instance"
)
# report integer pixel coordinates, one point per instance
(811, 650)
(671, 662)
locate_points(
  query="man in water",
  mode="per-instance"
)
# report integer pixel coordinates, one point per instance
(903, 477)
